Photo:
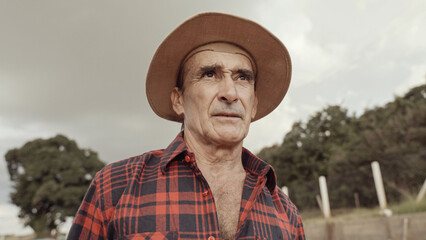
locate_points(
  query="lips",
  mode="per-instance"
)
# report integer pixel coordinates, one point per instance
(225, 114)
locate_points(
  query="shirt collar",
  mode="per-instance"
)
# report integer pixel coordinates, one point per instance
(259, 167)
(174, 149)
(251, 162)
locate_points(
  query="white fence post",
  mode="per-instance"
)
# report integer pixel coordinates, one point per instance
(421, 193)
(319, 201)
(377, 175)
(285, 190)
(324, 197)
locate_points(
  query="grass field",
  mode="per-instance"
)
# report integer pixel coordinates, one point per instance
(407, 206)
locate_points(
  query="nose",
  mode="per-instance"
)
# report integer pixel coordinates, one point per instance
(227, 90)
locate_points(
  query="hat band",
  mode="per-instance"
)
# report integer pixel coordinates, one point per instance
(221, 47)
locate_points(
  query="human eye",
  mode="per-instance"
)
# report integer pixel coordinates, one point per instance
(208, 74)
(245, 75)
(209, 71)
(243, 78)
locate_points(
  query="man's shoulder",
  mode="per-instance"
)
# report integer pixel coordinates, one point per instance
(114, 178)
(285, 200)
(129, 166)
(122, 170)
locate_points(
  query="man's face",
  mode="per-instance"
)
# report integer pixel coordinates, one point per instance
(218, 99)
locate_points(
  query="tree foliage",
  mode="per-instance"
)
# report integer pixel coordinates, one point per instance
(341, 147)
(50, 179)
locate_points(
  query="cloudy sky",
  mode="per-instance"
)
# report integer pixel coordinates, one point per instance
(78, 68)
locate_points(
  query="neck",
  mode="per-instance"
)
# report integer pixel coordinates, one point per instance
(213, 159)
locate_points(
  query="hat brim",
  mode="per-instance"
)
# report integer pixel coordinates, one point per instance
(271, 56)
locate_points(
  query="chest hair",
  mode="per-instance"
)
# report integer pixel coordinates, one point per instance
(227, 196)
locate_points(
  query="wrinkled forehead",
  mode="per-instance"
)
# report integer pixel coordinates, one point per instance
(221, 47)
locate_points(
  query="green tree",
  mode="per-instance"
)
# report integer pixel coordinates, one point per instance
(342, 147)
(305, 152)
(394, 135)
(50, 179)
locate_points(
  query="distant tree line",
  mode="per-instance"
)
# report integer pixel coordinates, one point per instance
(341, 147)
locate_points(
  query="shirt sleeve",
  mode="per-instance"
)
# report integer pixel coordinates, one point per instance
(296, 224)
(89, 220)
(300, 232)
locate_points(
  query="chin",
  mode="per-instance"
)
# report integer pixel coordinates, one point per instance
(231, 137)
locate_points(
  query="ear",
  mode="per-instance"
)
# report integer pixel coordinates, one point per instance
(254, 111)
(177, 101)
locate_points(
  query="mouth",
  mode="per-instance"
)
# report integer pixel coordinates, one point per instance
(227, 115)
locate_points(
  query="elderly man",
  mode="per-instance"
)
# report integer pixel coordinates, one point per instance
(215, 74)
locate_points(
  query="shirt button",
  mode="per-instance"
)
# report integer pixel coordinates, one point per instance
(211, 238)
(205, 193)
(187, 159)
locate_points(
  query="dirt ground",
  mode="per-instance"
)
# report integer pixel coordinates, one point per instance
(400, 227)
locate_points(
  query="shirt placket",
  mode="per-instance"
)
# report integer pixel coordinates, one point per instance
(249, 196)
(210, 219)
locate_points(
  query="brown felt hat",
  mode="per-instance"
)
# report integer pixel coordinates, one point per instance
(272, 60)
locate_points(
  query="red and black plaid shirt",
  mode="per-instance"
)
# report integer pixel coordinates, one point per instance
(163, 195)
